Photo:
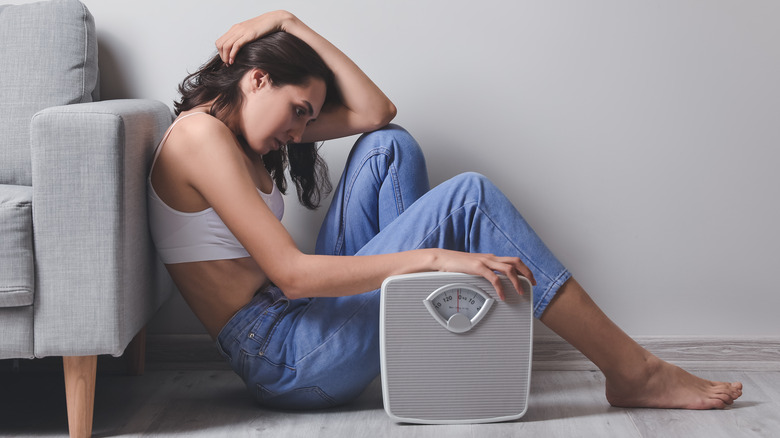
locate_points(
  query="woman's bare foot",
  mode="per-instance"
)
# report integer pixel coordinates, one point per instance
(635, 377)
(663, 385)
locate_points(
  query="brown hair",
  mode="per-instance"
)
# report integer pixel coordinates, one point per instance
(288, 61)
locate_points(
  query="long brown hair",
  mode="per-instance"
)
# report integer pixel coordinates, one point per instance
(288, 61)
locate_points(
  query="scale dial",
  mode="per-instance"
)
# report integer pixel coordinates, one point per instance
(458, 307)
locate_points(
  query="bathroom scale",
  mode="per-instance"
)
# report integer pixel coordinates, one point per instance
(451, 351)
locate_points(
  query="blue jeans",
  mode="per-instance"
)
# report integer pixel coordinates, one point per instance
(321, 352)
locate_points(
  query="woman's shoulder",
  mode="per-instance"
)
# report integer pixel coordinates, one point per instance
(199, 148)
(197, 133)
(197, 125)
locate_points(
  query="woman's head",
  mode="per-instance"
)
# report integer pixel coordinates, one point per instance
(285, 58)
(272, 116)
(272, 89)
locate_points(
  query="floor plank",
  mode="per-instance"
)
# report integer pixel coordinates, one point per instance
(214, 403)
(572, 404)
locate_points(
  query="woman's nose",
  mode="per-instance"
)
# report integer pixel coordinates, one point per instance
(296, 133)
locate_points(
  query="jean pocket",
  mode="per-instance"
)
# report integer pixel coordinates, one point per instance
(311, 397)
(262, 330)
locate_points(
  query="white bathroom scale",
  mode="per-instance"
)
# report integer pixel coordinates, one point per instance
(451, 351)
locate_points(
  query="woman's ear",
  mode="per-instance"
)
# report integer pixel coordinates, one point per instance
(259, 78)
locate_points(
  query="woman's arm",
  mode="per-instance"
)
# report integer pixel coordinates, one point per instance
(347, 275)
(365, 107)
(228, 187)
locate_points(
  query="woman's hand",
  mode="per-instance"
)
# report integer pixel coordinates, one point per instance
(247, 31)
(485, 265)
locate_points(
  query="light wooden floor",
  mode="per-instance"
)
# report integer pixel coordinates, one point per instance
(213, 403)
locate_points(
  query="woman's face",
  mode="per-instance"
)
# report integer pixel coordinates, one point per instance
(273, 116)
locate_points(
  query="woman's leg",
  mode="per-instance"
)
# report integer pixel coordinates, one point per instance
(336, 339)
(332, 347)
(385, 173)
(474, 216)
(635, 377)
(467, 213)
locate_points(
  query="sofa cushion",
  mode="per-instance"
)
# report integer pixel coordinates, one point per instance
(16, 246)
(49, 57)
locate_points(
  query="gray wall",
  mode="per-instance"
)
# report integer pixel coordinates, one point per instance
(640, 139)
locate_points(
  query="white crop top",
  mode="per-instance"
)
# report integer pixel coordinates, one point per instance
(193, 237)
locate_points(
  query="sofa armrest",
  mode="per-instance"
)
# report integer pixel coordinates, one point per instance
(98, 280)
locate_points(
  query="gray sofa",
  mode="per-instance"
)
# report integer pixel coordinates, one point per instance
(78, 273)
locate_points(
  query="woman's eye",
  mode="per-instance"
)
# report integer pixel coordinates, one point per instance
(300, 112)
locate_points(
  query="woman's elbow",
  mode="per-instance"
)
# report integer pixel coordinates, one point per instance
(292, 287)
(381, 117)
(388, 114)
(292, 295)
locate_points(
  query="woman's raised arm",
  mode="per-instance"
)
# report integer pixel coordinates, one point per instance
(364, 106)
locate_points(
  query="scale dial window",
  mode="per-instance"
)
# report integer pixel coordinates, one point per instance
(458, 307)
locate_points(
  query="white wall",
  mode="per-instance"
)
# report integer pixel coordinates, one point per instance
(640, 139)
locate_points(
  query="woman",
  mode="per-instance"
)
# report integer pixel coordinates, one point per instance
(301, 329)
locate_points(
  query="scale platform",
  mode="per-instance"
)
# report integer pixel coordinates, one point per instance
(451, 352)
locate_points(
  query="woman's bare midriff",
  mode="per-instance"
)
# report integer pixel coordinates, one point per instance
(216, 290)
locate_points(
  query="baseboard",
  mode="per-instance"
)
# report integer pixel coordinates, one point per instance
(690, 352)
(550, 353)
(199, 352)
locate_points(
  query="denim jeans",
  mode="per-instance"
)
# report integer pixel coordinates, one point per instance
(321, 352)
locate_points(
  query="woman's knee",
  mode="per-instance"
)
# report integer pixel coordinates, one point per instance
(392, 150)
(472, 187)
(393, 140)
(472, 180)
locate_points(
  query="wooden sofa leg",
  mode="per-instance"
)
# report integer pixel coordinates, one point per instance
(135, 354)
(80, 374)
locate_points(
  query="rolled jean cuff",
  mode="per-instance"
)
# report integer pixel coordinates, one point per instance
(546, 296)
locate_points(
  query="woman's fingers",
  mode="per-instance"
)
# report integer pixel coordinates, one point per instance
(495, 280)
(511, 267)
(247, 31)
(234, 48)
(223, 48)
(231, 42)
(225, 44)
(487, 266)
(521, 268)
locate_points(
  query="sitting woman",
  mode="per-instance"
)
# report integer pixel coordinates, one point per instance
(301, 329)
